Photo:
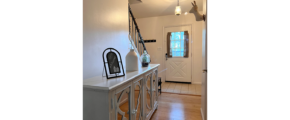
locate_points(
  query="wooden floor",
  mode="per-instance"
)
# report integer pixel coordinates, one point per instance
(171, 106)
(181, 88)
(177, 107)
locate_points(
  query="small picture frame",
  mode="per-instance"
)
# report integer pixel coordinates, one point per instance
(113, 65)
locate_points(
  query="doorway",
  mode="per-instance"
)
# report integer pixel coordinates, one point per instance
(179, 68)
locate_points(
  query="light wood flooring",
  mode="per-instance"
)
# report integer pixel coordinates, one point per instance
(181, 88)
(177, 107)
(171, 106)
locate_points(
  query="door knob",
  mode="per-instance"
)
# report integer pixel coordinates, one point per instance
(166, 56)
(204, 70)
(134, 111)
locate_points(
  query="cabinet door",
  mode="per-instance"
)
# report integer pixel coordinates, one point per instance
(123, 102)
(155, 87)
(148, 95)
(137, 95)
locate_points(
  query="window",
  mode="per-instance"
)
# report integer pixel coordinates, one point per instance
(177, 44)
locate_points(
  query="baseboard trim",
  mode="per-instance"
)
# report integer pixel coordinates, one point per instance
(202, 116)
(123, 101)
(178, 82)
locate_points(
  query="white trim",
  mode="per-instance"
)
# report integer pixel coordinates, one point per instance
(196, 83)
(123, 101)
(201, 114)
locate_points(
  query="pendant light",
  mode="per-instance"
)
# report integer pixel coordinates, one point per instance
(177, 9)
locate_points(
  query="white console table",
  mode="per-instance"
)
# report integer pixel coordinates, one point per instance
(131, 97)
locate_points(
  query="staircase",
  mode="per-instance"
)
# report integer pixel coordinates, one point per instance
(135, 35)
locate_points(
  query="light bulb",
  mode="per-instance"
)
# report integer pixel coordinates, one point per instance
(177, 10)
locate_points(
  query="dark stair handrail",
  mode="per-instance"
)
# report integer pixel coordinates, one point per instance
(138, 31)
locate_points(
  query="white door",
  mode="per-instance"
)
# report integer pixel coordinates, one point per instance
(178, 67)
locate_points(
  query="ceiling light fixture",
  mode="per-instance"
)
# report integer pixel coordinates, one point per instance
(185, 13)
(177, 9)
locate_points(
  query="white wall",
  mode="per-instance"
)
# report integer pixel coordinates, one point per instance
(152, 28)
(105, 24)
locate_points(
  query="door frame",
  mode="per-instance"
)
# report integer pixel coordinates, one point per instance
(164, 51)
(204, 66)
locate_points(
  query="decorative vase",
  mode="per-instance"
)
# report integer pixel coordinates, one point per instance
(145, 57)
(131, 61)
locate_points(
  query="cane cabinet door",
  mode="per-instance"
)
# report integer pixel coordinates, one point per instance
(123, 102)
(137, 99)
(155, 88)
(148, 94)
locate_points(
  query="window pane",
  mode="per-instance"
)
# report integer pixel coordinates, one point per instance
(182, 53)
(182, 35)
(177, 44)
(172, 44)
(172, 36)
(182, 44)
(177, 36)
(177, 53)
(173, 53)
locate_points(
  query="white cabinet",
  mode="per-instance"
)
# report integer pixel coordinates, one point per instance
(132, 97)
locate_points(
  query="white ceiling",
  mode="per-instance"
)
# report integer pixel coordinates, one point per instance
(152, 8)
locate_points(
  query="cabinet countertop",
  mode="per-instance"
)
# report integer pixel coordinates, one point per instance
(102, 83)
